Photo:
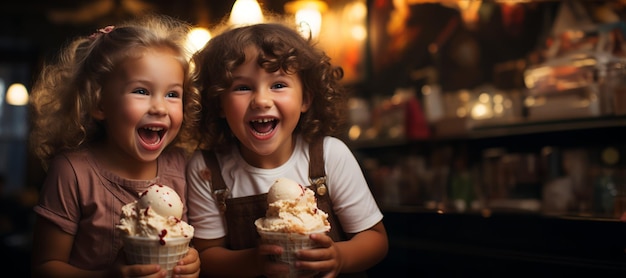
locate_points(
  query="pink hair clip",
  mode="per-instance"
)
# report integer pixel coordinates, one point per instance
(106, 30)
(101, 31)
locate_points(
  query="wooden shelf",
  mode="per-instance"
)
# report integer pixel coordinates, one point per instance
(504, 130)
(546, 127)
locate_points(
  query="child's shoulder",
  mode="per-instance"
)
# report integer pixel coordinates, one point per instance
(335, 149)
(334, 143)
(328, 142)
(73, 156)
(70, 162)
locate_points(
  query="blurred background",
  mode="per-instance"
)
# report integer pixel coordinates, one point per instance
(491, 132)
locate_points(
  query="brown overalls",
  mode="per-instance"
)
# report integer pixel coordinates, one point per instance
(240, 213)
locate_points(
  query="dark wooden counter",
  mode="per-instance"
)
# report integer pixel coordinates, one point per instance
(430, 244)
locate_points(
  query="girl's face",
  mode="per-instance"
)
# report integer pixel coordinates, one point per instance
(142, 106)
(263, 109)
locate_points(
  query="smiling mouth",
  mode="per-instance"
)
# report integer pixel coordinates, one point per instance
(263, 126)
(151, 135)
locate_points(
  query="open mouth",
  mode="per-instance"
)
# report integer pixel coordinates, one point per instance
(263, 126)
(151, 135)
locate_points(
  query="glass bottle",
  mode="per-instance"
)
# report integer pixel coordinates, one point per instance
(605, 185)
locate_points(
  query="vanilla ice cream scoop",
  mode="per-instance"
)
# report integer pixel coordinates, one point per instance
(157, 214)
(284, 189)
(292, 208)
(161, 199)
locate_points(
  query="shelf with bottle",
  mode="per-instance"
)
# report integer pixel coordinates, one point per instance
(550, 168)
(483, 113)
(498, 131)
(535, 127)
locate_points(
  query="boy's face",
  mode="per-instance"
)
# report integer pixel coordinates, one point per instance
(262, 110)
(142, 106)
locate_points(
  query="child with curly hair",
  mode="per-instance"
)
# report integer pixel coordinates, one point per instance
(111, 116)
(273, 107)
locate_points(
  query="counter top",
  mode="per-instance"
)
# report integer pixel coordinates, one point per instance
(502, 244)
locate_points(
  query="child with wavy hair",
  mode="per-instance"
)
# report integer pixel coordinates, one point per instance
(110, 117)
(273, 107)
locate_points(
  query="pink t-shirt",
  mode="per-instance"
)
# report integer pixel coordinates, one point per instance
(85, 200)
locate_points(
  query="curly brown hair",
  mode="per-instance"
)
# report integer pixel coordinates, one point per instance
(68, 90)
(280, 47)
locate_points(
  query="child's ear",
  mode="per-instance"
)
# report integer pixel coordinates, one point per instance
(306, 103)
(97, 113)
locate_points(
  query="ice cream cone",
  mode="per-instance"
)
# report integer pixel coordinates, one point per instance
(291, 243)
(141, 250)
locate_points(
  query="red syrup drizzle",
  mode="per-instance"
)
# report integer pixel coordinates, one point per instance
(161, 236)
(143, 193)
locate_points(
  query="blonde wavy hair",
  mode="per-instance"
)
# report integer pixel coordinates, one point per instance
(70, 88)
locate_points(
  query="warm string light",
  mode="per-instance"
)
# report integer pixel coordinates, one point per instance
(308, 15)
(17, 95)
(197, 38)
(356, 15)
(469, 11)
(246, 12)
(310, 22)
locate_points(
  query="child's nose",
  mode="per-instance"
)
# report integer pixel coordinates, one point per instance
(157, 106)
(261, 99)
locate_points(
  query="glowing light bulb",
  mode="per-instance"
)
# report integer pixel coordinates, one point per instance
(308, 15)
(309, 18)
(17, 94)
(197, 38)
(246, 12)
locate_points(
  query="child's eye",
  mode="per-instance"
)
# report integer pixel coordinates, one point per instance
(241, 88)
(279, 86)
(140, 91)
(173, 94)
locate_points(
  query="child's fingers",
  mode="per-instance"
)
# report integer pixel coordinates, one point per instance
(315, 254)
(186, 271)
(191, 257)
(144, 270)
(322, 240)
(321, 266)
(188, 265)
(269, 249)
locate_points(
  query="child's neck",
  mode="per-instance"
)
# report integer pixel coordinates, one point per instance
(124, 166)
(142, 171)
(269, 161)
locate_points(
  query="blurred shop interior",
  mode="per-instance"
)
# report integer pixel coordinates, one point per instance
(492, 132)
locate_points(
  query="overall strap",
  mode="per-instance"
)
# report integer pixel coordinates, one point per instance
(317, 173)
(220, 191)
(317, 177)
(239, 213)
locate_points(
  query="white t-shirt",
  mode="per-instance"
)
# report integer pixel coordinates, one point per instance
(352, 199)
